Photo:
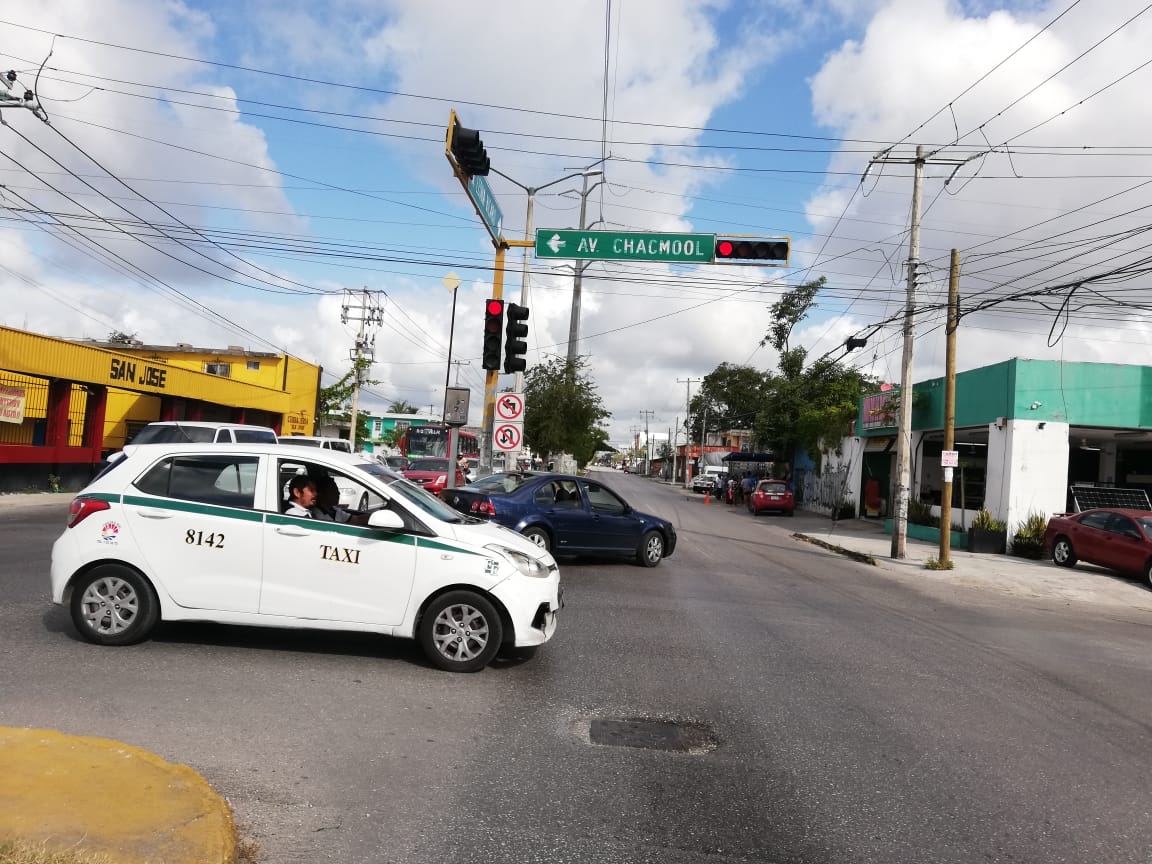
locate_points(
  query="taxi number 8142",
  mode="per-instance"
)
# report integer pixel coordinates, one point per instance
(199, 538)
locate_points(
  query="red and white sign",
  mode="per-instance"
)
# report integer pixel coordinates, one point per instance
(949, 458)
(507, 437)
(510, 407)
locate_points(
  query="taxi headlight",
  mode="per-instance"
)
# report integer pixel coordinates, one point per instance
(525, 564)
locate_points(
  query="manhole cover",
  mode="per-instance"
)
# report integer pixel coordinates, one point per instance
(680, 737)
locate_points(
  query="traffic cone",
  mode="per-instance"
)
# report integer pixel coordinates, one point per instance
(707, 497)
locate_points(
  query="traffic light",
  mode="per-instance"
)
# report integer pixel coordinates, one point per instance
(751, 250)
(493, 323)
(468, 150)
(514, 345)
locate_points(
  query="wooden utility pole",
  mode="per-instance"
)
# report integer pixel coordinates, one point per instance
(949, 403)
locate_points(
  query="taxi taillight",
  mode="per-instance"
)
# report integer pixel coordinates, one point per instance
(82, 508)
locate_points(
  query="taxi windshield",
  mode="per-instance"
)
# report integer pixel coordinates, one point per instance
(413, 494)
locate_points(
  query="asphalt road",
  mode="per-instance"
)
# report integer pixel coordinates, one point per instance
(853, 718)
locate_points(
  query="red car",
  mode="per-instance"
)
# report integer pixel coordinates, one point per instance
(1117, 539)
(432, 474)
(769, 496)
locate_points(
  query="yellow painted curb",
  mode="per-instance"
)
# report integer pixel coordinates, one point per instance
(104, 796)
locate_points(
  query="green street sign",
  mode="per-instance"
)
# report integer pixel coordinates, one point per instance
(625, 246)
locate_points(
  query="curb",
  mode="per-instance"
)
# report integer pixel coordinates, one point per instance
(109, 798)
(862, 557)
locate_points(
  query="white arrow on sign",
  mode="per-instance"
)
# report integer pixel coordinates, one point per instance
(556, 244)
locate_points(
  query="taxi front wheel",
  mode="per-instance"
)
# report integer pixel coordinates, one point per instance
(114, 605)
(461, 632)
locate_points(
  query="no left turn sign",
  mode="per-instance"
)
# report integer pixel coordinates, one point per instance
(510, 407)
(507, 437)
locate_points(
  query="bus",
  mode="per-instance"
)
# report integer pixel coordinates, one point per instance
(432, 441)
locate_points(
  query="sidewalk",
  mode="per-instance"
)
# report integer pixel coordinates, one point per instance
(1003, 574)
(100, 797)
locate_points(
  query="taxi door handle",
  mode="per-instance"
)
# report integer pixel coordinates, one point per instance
(291, 532)
(150, 513)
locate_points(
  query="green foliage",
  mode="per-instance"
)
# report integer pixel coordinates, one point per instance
(121, 338)
(934, 564)
(983, 520)
(402, 407)
(920, 513)
(336, 399)
(1028, 541)
(53, 482)
(562, 411)
(729, 398)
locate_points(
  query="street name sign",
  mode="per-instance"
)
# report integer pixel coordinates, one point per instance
(485, 202)
(625, 246)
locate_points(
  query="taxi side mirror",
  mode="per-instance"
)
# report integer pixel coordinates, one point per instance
(389, 519)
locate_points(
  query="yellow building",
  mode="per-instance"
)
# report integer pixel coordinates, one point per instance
(64, 402)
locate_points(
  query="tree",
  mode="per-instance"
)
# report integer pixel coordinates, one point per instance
(336, 400)
(562, 411)
(731, 396)
(119, 337)
(803, 406)
(402, 407)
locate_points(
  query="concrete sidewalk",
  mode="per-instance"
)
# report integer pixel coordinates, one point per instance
(101, 797)
(1000, 574)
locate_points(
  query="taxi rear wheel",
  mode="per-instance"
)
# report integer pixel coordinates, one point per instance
(114, 605)
(461, 632)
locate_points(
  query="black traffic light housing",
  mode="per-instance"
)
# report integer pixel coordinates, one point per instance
(468, 151)
(493, 324)
(751, 250)
(514, 345)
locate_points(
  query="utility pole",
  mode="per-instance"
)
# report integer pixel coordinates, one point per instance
(688, 382)
(647, 444)
(458, 364)
(574, 323)
(367, 313)
(904, 421)
(672, 451)
(949, 403)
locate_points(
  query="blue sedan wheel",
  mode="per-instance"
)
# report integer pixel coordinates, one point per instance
(651, 549)
(540, 537)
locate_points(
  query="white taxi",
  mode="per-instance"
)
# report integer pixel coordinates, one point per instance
(201, 533)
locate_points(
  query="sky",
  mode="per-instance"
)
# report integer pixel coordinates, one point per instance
(224, 174)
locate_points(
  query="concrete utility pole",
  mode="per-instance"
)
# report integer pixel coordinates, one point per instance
(904, 422)
(688, 382)
(574, 323)
(949, 403)
(368, 313)
(647, 444)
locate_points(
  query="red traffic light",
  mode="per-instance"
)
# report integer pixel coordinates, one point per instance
(495, 307)
(751, 250)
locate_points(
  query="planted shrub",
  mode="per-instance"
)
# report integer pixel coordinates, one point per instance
(1028, 541)
(983, 521)
(920, 513)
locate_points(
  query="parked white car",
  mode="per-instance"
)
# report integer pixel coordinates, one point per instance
(197, 431)
(199, 532)
(338, 444)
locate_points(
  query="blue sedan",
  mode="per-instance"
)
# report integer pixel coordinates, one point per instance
(567, 515)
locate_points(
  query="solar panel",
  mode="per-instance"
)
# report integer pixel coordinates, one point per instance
(1089, 497)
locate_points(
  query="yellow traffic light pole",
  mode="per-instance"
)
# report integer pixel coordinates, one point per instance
(501, 245)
